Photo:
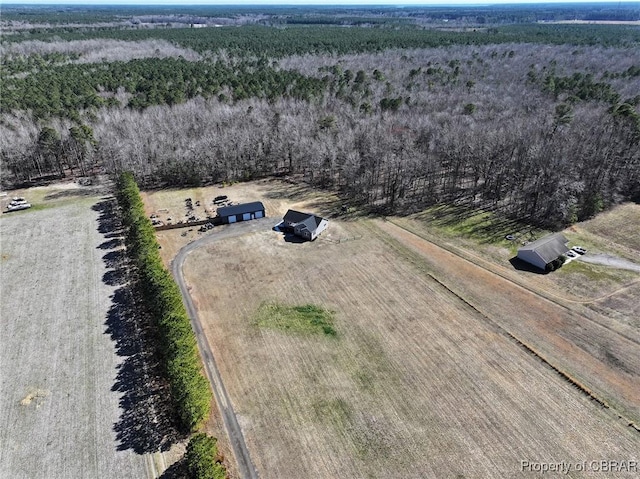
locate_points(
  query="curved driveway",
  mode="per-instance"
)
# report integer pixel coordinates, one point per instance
(236, 438)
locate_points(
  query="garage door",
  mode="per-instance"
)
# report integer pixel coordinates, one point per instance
(258, 214)
(232, 219)
(246, 216)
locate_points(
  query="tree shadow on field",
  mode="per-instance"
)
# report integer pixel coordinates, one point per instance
(486, 225)
(74, 193)
(111, 244)
(177, 470)
(147, 420)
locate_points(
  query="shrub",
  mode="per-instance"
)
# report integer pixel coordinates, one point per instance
(162, 299)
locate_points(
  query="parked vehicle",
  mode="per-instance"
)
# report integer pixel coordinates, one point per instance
(19, 206)
(571, 254)
(579, 249)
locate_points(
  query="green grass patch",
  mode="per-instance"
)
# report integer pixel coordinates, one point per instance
(335, 411)
(593, 272)
(39, 207)
(307, 319)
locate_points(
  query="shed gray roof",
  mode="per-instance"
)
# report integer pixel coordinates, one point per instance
(241, 209)
(548, 248)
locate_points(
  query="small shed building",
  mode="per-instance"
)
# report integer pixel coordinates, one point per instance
(305, 225)
(242, 212)
(542, 252)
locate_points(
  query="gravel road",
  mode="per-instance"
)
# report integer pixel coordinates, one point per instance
(610, 260)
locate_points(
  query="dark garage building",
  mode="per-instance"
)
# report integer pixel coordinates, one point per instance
(243, 212)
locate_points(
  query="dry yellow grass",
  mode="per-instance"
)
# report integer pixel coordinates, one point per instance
(421, 378)
(276, 195)
(618, 227)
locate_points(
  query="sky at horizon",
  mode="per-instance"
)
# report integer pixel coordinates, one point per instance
(305, 2)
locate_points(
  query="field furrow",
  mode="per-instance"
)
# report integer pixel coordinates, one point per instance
(57, 403)
(598, 357)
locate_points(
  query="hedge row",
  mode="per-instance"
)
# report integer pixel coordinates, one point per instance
(178, 349)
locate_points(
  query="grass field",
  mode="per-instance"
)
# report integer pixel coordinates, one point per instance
(617, 227)
(415, 379)
(305, 319)
(59, 396)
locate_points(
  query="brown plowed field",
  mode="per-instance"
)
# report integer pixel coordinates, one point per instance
(417, 383)
(61, 395)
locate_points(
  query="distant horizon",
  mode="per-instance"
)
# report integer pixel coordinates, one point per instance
(312, 3)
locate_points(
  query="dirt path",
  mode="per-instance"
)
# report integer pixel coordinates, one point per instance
(598, 357)
(236, 438)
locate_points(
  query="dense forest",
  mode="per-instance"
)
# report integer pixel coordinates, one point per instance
(123, 15)
(540, 122)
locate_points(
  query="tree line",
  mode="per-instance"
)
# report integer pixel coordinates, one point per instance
(547, 135)
(65, 90)
(257, 40)
(542, 170)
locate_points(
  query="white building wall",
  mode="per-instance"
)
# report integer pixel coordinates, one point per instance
(321, 227)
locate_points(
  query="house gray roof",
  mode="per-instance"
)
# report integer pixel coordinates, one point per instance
(548, 248)
(310, 223)
(300, 220)
(241, 209)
